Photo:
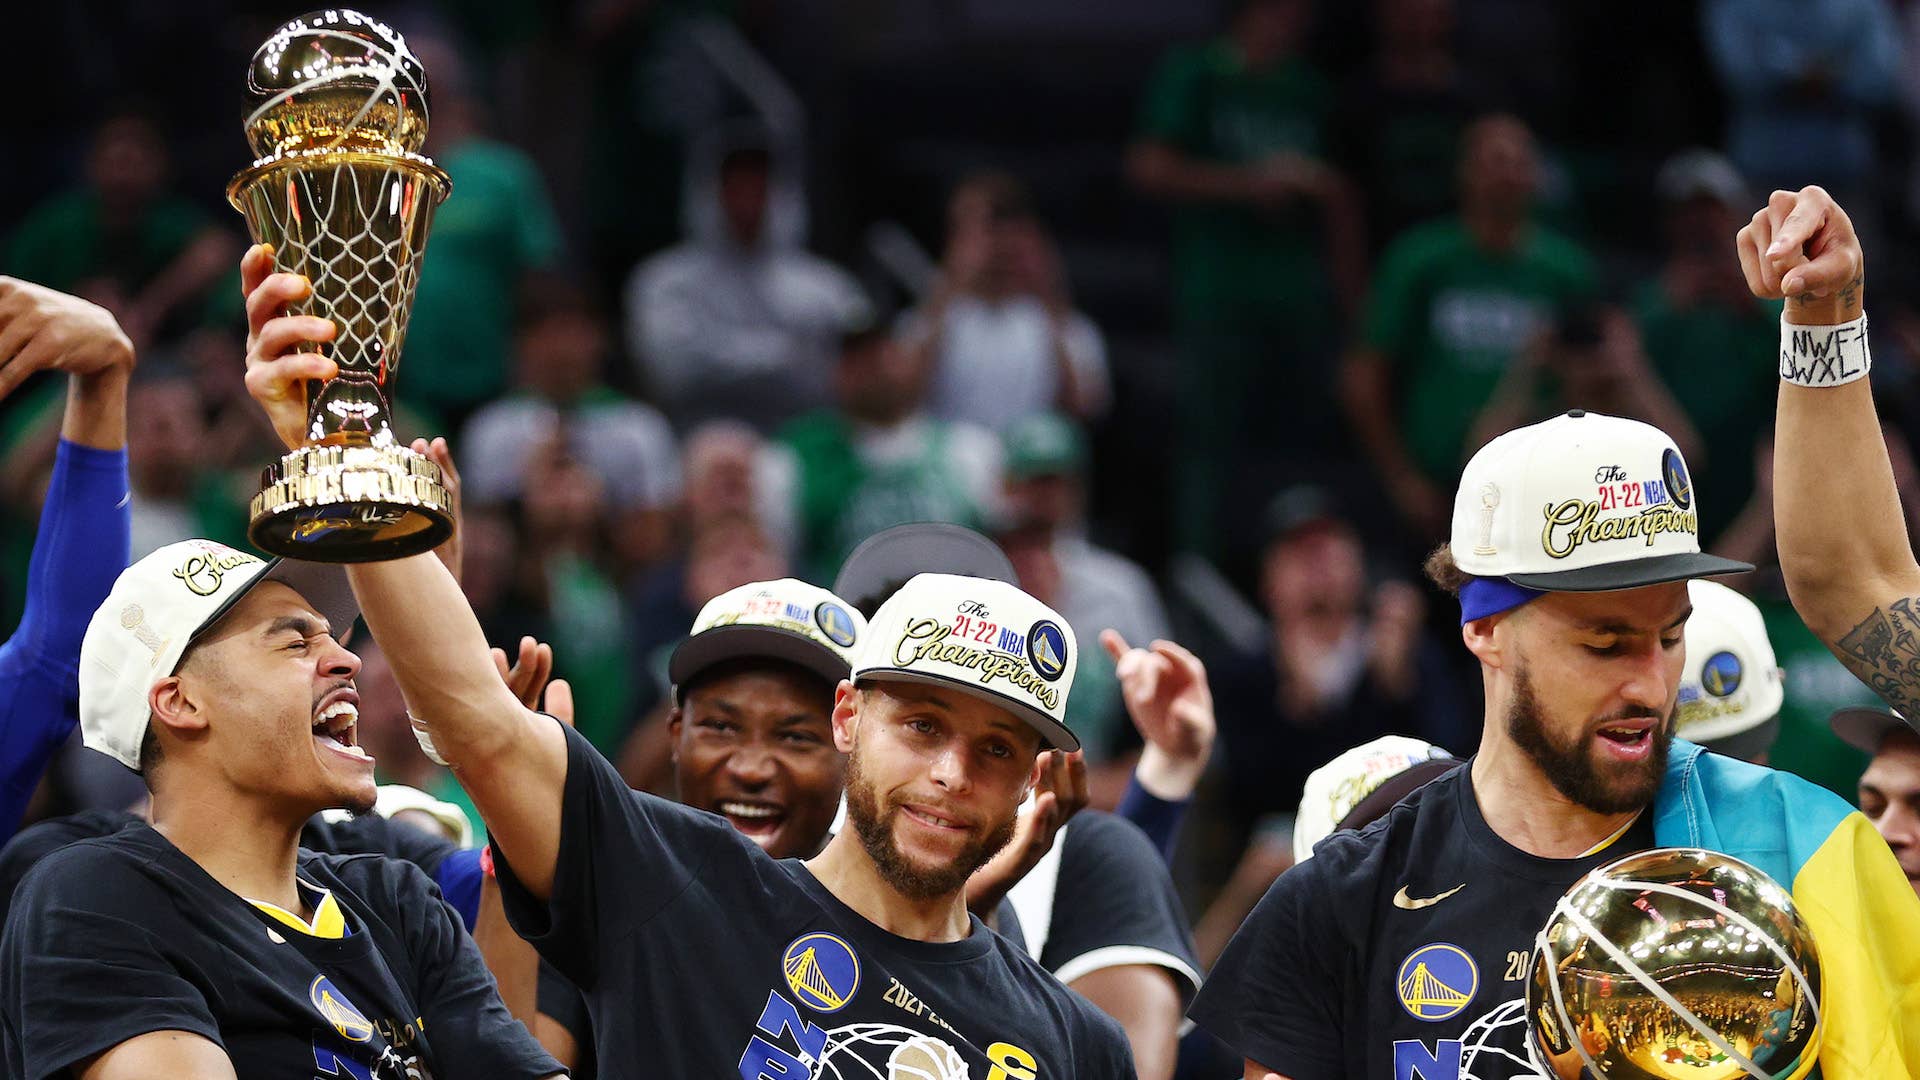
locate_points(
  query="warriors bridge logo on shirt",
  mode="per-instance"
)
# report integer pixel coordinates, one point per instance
(1436, 982)
(823, 974)
(338, 1011)
(822, 971)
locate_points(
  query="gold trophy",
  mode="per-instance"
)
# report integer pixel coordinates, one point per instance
(337, 116)
(1676, 964)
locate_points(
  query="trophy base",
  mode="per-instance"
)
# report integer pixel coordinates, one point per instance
(347, 504)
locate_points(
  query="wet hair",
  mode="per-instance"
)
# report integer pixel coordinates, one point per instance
(1444, 572)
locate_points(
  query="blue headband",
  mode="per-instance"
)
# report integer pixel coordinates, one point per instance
(1484, 596)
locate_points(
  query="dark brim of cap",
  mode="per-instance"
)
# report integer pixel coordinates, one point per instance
(1053, 733)
(719, 644)
(891, 557)
(1746, 745)
(1633, 573)
(1863, 727)
(1394, 788)
(323, 585)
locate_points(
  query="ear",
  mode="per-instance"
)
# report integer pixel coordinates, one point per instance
(846, 715)
(175, 706)
(673, 735)
(1484, 641)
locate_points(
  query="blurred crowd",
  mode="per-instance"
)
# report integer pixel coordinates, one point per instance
(1197, 315)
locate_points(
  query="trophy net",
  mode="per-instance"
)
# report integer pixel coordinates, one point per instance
(356, 227)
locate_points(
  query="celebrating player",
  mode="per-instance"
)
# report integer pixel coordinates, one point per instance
(1401, 949)
(1844, 549)
(698, 953)
(207, 944)
(84, 525)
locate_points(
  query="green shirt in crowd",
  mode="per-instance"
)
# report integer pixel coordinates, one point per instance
(1234, 263)
(851, 485)
(497, 225)
(1816, 684)
(65, 242)
(1450, 317)
(1718, 363)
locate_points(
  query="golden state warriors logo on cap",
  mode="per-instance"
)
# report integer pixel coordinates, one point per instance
(834, 622)
(822, 971)
(1720, 675)
(338, 1011)
(1047, 649)
(1437, 982)
(1673, 472)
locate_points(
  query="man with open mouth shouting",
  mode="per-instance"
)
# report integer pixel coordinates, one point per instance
(207, 944)
(1401, 949)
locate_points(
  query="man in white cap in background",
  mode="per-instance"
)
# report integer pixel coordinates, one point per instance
(1889, 791)
(208, 944)
(1731, 688)
(1571, 545)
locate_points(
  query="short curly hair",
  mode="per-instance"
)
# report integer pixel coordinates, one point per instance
(1444, 572)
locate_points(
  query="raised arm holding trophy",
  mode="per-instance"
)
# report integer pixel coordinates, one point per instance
(341, 193)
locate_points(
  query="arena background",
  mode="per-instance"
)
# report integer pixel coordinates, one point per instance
(585, 138)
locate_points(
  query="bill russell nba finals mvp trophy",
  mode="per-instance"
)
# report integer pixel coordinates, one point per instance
(337, 114)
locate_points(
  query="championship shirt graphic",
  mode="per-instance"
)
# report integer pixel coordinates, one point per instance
(355, 1046)
(822, 975)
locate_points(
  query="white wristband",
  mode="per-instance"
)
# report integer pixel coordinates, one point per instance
(1820, 356)
(425, 739)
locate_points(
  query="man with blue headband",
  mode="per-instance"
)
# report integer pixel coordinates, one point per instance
(1401, 949)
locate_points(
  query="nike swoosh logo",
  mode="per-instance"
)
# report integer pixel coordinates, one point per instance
(1402, 900)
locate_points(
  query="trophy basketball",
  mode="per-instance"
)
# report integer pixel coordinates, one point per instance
(337, 116)
(1676, 963)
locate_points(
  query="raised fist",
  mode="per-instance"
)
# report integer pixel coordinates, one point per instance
(1801, 247)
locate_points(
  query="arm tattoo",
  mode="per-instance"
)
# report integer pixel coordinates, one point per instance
(1884, 651)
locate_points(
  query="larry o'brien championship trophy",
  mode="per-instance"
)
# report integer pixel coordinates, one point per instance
(337, 116)
(1676, 963)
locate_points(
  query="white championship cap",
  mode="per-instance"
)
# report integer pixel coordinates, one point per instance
(1335, 790)
(985, 637)
(1732, 687)
(1581, 503)
(159, 606)
(781, 620)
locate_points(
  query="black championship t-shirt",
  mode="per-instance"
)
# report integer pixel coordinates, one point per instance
(1101, 898)
(365, 834)
(1398, 951)
(114, 937)
(701, 956)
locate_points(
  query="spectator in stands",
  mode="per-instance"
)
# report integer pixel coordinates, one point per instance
(498, 226)
(1889, 791)
(123, 240)
(877, 459)
(725, 550)
(1267, 246)
(999, 331)
(1043, 489)
(1802, 81)
(1454, 304)
(1397, 132)
(1590, 359)
(560, 399)
(1347, 663)
(731, 470)
(739, 320)
(1701, 327)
